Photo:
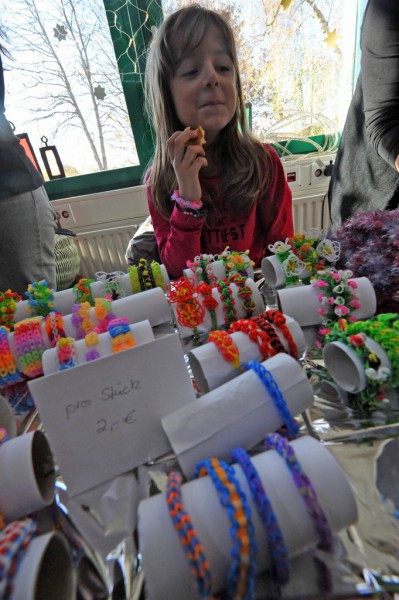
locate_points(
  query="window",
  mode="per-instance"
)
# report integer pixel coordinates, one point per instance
(77, 77)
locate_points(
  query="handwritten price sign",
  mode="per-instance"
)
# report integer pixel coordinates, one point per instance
(103, 418)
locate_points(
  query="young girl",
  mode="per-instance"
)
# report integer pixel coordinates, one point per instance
(232, 191)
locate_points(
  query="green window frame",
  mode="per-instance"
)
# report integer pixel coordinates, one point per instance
(135, 21)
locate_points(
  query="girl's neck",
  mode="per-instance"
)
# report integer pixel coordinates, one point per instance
(214, 167)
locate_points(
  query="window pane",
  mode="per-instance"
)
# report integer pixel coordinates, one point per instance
(296, 62)
(63, 83)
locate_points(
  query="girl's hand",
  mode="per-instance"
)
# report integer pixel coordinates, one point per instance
(187, 160)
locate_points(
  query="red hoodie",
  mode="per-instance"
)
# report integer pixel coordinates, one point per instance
(183, 237)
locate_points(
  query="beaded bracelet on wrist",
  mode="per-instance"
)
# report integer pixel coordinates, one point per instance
(9, 374)
(278, 549)
(121, 336)
(244, 293)
(29, 345)
(256, 335)
(226, 346)
(66, 353)
(242, 573)
(209, 302)
(192, 546)
(268, 328)
(8, 304)
(304, 487)
(277, 319)
(271, 387)
(226, 295)
(81, 319)
(54, 327)
(40, 298)
(91, 341)
(83, 291)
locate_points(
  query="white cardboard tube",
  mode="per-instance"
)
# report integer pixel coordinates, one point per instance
(301, 303)
(141, 332)
(166, 566)
(46, 570)
(347, 368)
(238, 413)
(27, 475)
(273, 273)
(211, 370)
(65, 299)
(241, 314)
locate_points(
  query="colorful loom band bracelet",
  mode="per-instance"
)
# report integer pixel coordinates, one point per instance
(29, 345)
(134, 279)
(155, 267)
(276, 318)
(192, 546)
(91, 341)
(209, 302)
(146, 273)
(242, 573)
(190, 313)
(83, 291)
(226, 346)
(275, 341)
(81, 320)
(121, 336)
(304, 487)
(256, 335)
(226, 295)
(9, 374)
(103, 313)
(244, 293)
(8, 304)
(112, 283)
(14, 540)
(337, 297)
(66, 353)
(40, 298)
(271, 387)
(54, 327)
(278, 549)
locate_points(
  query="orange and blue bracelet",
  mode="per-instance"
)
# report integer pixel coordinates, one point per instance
(278, 549)
(304, 486)
(241, 581)
(192, 546)
(121, 336)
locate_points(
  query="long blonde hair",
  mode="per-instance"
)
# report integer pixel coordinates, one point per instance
(247, 167)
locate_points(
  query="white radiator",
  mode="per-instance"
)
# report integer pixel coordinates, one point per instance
(104, 250)
(311, 211)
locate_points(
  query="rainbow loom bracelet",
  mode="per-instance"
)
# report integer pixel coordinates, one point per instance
(278, 549)
(276, 318)
(226, 295)
(83, 291)
(121, 336)
(91, 341)
(54, 327)
(269, 383)
(304, 486)
(226, 346)
(29, 345)
(244, 293)
(134, 279)
(275, 341)
(8, 304)
(66, 353)
(103, 314)
(192, 546)
(242, 573)
(9, 373)
(255, 334)
(40, 298)
(157, 274)
(81, 319)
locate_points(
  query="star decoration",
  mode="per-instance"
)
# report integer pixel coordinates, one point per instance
(99, 92)
(286, 4)
(332, 38)
(60, 32)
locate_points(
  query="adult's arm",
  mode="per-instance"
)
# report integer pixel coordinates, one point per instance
(178, 239)
(380, 77)
(276, 205)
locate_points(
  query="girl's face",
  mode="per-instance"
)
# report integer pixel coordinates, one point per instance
(203, 88)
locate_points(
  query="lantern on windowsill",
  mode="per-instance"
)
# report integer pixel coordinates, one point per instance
(51, 160)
